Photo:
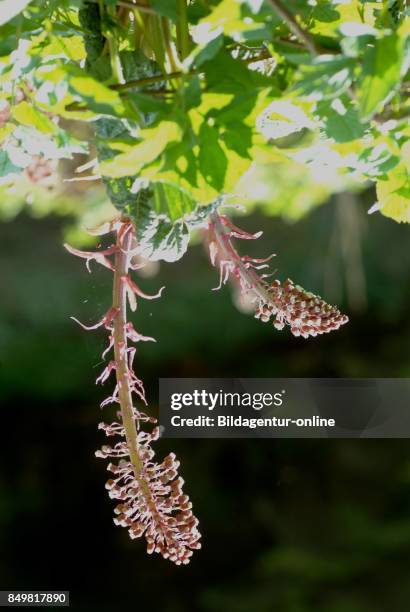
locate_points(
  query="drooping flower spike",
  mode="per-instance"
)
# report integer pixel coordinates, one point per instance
(285, 304)
(150, 495)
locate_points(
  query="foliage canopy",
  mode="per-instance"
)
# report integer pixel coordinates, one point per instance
(189, 104)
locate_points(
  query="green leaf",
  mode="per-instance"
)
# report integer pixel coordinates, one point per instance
(325, 77)
(7, 168)
(393, 194)
(170, 200)
(163, 215)
(191, 92)
(169, 242)
(158, 213)
(148, 104)
(95, 95)
(135, 65)
(167, 8)
(238, 137)
(341, 121)
(380, 75)
(294, 55)
(11, 8)
(206, 51)
(153, 142)
(377, 160)
(26, 114)
(242, 108)
(228, 16)
(213, 161)
(89, 18)
(224, 74)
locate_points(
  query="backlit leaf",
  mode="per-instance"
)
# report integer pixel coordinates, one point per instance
(393, 195)
(380, 75)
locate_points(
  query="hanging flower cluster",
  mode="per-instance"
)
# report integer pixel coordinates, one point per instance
(284, 304)
(150, 496)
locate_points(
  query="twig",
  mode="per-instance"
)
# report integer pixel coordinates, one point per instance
(399, 114)
(294, 27)
(143, 8)
(264, 55)
(76, 106)
(149, 80)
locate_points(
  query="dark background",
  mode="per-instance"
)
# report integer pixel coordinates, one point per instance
(288, 526)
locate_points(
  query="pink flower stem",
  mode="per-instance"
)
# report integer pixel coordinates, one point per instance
(306, 314)
(248, 277)
(122, 262)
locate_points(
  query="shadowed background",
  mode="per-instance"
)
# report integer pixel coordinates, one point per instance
(292, 525)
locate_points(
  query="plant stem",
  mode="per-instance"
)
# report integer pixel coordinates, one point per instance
(294, 27)
(250, 278)
(150, 80)
(143, 8)
(119, 302)
(123, 374)
(113, 48)
(156, 40)
(172, 57)
(182, 30)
